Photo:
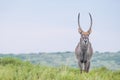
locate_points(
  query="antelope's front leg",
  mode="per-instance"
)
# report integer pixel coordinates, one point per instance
(80, 66)
(87, 66)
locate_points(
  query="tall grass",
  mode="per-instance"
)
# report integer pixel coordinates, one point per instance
(15, 69)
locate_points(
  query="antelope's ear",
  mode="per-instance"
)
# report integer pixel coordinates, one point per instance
(89, 31)
(80, 31)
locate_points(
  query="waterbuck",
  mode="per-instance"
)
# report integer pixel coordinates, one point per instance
(83, 50)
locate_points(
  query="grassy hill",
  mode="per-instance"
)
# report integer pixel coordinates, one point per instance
(106, 59)
(15, 69)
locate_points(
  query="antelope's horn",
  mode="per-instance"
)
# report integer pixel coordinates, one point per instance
(89, 31)
(80, 29)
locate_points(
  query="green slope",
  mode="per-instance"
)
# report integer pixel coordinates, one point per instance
(15, 69)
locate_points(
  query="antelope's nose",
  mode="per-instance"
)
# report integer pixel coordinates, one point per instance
(85, 41)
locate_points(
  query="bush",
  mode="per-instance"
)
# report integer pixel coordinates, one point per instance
(12, 61)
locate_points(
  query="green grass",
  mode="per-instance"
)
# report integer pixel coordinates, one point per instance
(15, 69)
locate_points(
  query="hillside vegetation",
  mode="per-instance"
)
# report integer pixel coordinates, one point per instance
(15, 69)
(106, 59)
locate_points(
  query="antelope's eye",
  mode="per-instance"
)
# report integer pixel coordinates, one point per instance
(83, 36)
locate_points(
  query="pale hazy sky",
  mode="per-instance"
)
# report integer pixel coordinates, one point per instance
(51, 25)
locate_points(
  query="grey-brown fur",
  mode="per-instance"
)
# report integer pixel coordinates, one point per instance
(83, 50)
